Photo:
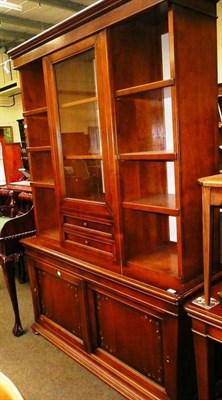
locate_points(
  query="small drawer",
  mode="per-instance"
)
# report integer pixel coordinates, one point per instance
(86, 223)
(90, 243)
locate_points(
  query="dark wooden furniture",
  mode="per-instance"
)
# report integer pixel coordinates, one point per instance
(211, 198)
(15, 198)
(11, 252)
(7, 202)
(17, 201)
(205, 310)
(119, 129)
(207, 331)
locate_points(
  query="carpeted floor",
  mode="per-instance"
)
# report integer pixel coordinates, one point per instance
(38, 369)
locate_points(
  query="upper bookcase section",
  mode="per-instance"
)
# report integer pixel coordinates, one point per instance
(145, 42)
(100, 15)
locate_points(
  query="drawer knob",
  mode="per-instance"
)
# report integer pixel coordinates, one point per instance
(87, 242)
(59, 273)
(85, 223)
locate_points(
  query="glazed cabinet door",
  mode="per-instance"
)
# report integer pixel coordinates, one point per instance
(82, 146)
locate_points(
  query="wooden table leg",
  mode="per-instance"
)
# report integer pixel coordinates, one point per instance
(8, 267)
(207, 241)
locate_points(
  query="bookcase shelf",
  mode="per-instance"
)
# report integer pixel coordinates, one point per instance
(142, 89)
(149, 155)
(159, 203)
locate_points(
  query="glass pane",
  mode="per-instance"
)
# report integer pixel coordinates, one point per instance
(84, 179)
(79, 126)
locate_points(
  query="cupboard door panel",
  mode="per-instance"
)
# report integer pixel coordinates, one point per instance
(60, 301)
(131, 335)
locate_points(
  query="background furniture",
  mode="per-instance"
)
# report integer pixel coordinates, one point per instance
(119, 129)
(7, 202)
(12, 160)
(15, 198)
(205, 310)
(14, 227)
(207, 331)
(11, 251)
(211, 199)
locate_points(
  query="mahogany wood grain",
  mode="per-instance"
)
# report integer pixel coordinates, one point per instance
(132, 254)
(211, 197)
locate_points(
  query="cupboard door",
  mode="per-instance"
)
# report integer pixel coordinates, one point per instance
(59, 302)
(114, 316)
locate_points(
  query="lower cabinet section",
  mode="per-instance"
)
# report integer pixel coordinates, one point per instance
(137, 341)
(129, 334)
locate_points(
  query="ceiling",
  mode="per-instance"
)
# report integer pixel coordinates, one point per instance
(35, 17)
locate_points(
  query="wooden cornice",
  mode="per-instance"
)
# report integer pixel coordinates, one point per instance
(95, 11)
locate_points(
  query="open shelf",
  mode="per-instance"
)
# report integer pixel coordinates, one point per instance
(142, 89)
(83, 157)
(35, 112)
(159, 203)
(149, 236)
(32, 82)
(36, 126)
(161, 155)
(163, 259)
(153, 181)
(41, 166)
(145, 124)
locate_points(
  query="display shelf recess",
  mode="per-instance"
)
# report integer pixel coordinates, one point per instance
(158, 203)
(164, 259)
(149, 155)
(35, 111)
(83, 157)
(130, 91)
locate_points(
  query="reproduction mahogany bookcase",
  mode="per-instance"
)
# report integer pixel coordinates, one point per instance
(120, 104)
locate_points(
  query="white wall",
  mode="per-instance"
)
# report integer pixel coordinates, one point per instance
(10, 111)
(10, 107)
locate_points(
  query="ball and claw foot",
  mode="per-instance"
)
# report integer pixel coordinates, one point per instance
(17, 330)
